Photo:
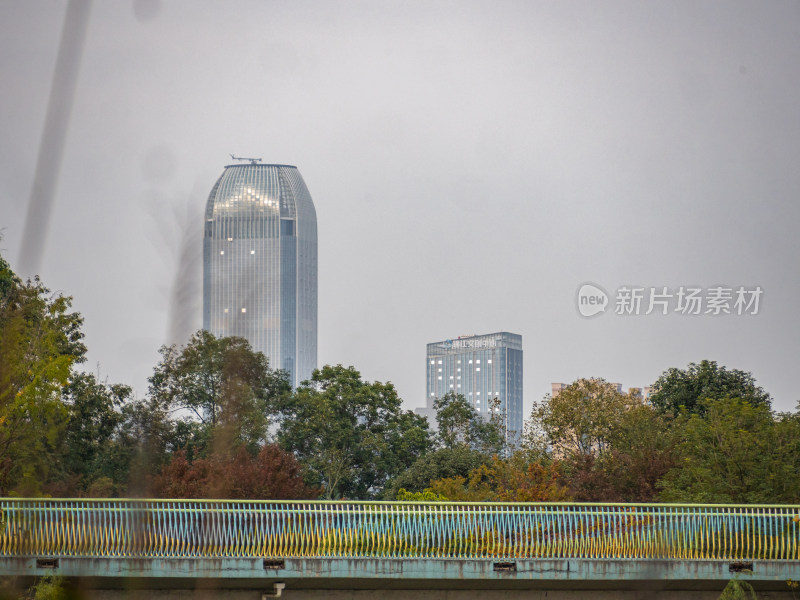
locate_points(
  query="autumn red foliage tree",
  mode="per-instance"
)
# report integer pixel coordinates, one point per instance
(272, 474)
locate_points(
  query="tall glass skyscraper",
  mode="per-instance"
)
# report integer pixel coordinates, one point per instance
(260, 264)
(481, 368)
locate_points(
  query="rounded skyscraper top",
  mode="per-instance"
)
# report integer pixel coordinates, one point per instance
(260, 264)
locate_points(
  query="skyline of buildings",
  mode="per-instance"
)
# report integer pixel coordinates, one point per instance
(260, 264)
(481, 368)
(260, 282)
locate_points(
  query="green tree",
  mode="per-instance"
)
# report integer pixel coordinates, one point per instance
(224, 384)
(352, 436)
(443, 463)
(50, 588)
(147, 440)
(677, 389)
(465, 441)
(461, 425)
(735, 452)
(404, 495)
(582, 418)
(40, 341)
(738, 590)
(88, 452)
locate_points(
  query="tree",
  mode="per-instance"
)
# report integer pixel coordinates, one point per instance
(351, 436)
(582, 418)
(465, 441)
(735, 452)
(270, 474)
(738, 590)
(642, 451)
(145, 441)
(611, 446)
(677, 389)
(444, 463)
(404, 495)
(461, 425)
(51, 588)
(88, 451)
(505, 480)
(224, 384)
(40, 341)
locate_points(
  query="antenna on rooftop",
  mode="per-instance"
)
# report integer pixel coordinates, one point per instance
(253, 161)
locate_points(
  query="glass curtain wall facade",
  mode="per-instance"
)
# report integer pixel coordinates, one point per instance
(260, 264)
(480, 368)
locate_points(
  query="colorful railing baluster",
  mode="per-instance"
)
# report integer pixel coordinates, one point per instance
(216, 528)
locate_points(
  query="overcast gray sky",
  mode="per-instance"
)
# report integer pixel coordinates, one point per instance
(471, 163)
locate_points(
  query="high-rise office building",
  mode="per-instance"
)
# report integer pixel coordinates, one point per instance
(481, 368)
(260, 264)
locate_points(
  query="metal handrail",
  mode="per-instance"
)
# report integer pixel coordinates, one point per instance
(104, 528)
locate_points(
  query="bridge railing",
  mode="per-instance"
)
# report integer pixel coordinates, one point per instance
(216, 528)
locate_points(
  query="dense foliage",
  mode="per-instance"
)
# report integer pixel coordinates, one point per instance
(351, 435)
(219, 422)
(40, 341)
(685, 389)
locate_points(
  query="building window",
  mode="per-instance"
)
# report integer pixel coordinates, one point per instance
(252, 251)
(489, 361)
(244, 310)
(433, 362)
(478, 369)
(225, 311)
(222, 251)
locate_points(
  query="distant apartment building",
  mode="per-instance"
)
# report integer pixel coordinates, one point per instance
(482, 368)
(645, 392)
(555, 388)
